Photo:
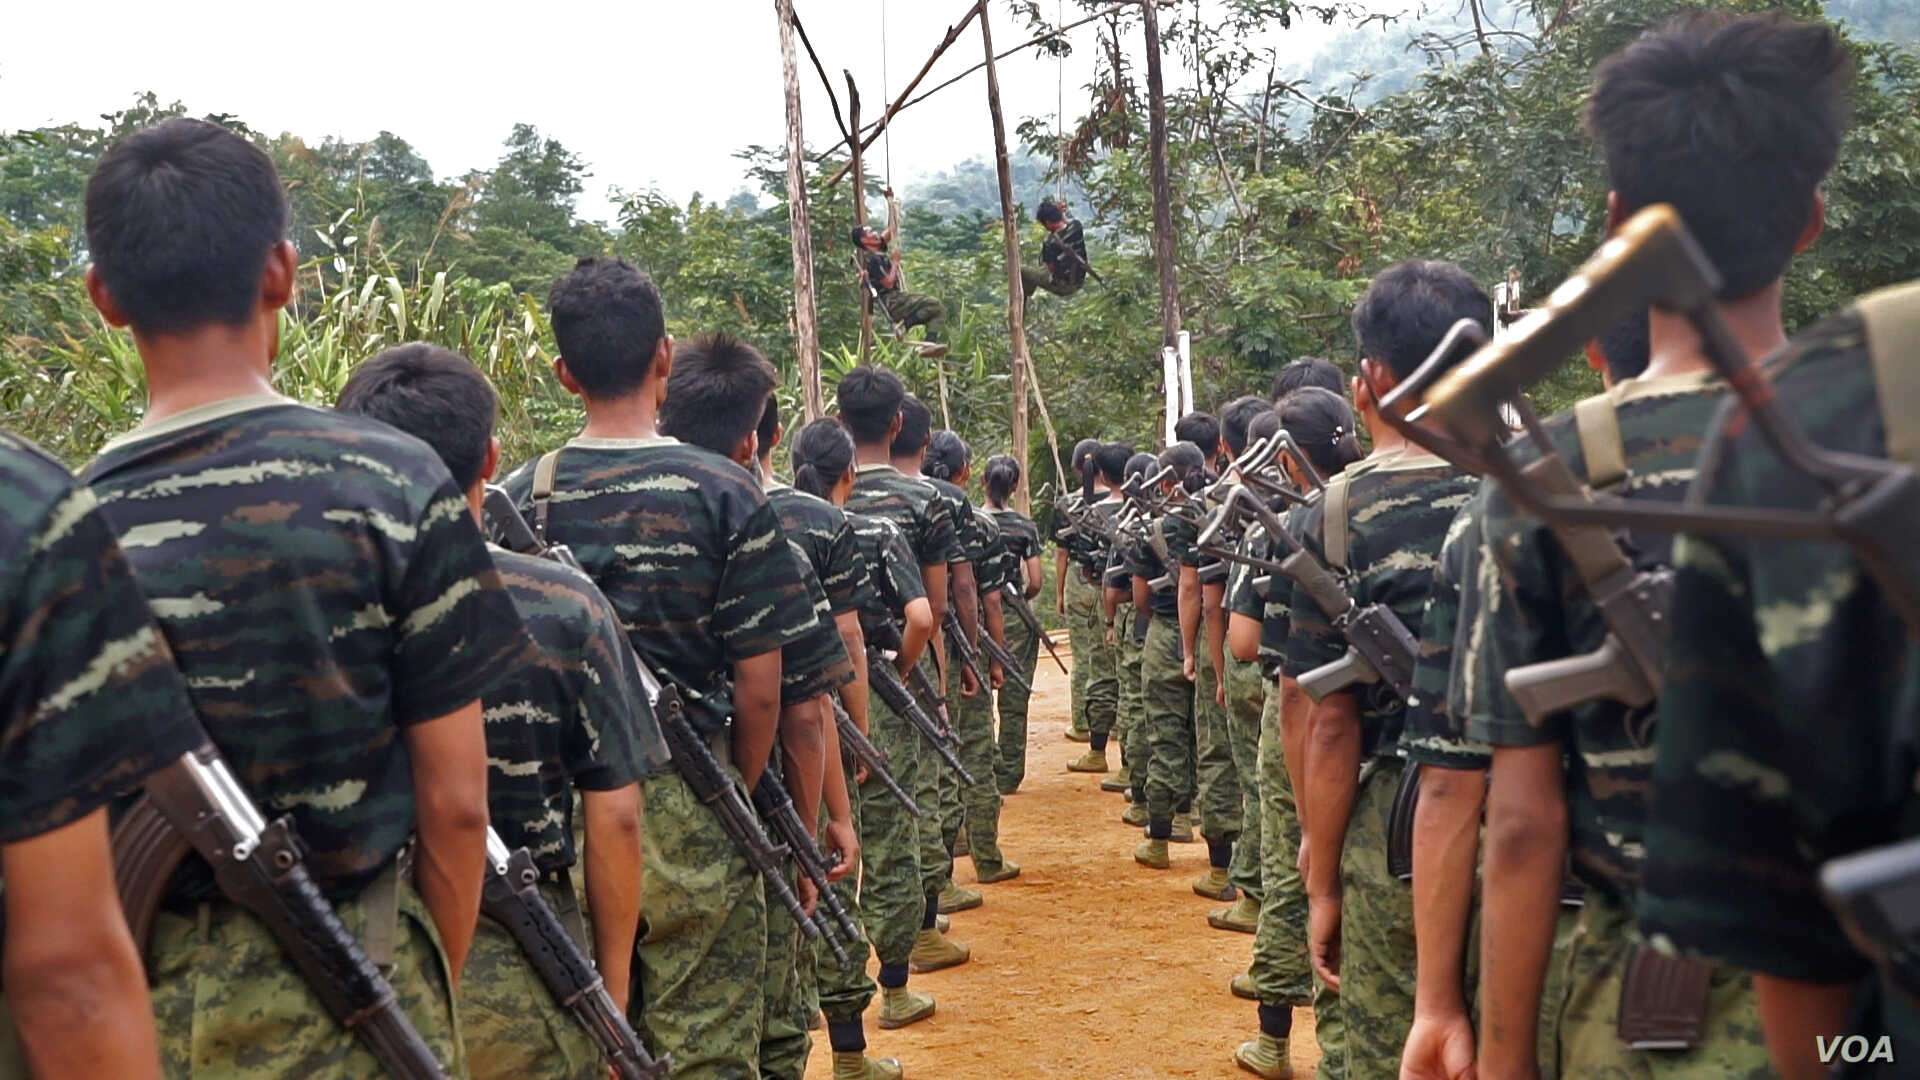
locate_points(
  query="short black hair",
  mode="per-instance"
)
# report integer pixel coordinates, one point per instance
(1109, 461)
(1264, 425)
(1049, 211)
(858, 233)
(1189, 464)
(947, 455)
(868, 398)
(916, 427)
(1140, 464)
(1733, 121)
(1321, 423)
(1236, 416)
(769, 424)
(822, 454)
(999, 477)
(180, 220)
(607, 322)
(1627, 347)
(433, 394)
(1201, 429)
(1307, 371)
(717, 392)
(1410, 306)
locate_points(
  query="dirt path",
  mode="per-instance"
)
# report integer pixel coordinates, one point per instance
(1086, 965)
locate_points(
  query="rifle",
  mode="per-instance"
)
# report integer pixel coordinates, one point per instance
(969, 657)
(998, 654)
(195, 804)
(1012, 597)
(885, 681)
(770, 797)
(1872, 892)
(693, 759)
(869, 755)
(511, 897)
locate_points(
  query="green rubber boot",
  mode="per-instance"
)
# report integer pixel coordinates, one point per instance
(1134, 815)
(858, 1066)
(1214, 885)
(933, 951)
(1092, 761)
(1116, 783)
(1242, 987)
(1152, 854)
(1006, 871)
(1182, 829)
(900, 1006)
(954, 898)
(1241, 917)
(1265, 1057)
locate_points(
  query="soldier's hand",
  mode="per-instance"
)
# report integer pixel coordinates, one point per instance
(804, 889)
(843, 840)
(861, 772)
(1323, 938)
(997, 675)
(1220, 693)
(969, 686)
(1439, 1047)
(1186, 668)
(1060, 604)
(1109, 635)
(1300, 858)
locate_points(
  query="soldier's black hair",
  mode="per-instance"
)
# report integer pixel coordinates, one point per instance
(1189, 465)
(868, 398)
(1108, 461)
(769, 424)
(1263, 425)
(822, 454)
(1410, 306)
(1626, 347)
(916, 427)
(1049, 212)
(433, 394)
(1201, 429)
(999, 477)
(947, 456)
(1733, 121)
(1236, 416)
(1307, 371)
(1140, 464)
(608, 322)
(1321, 422)
(856, 233)
(180, 219)
(1082, 455)
(717, 392)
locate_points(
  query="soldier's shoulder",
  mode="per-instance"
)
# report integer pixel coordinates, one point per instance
(557, 603)
(1824, 376)
(34, 486)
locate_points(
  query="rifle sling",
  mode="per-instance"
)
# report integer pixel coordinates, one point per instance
(1601, 445)
(1892, 318)
(1334, 536)
(543, 471)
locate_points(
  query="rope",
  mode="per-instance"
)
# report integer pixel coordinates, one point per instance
(885, 93)
(1060, 111)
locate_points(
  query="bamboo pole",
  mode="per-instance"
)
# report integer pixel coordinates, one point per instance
(953, 35)
(860, 218)
(1162, 186)
(806, 331)
(1016, 292)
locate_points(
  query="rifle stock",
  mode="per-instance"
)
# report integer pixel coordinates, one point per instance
(1026, 613)
(1008, 664)
(969, 657)
(871, 757)
(885, 681)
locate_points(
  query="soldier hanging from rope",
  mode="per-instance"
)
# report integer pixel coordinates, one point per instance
(880, 272)
(1064, 253)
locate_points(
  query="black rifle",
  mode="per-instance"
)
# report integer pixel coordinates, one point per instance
(1013, 598)
(195, 804)
(998, 654)
(969, 657)
(693, 758)
(1873, 894)
(511, 897)
(770, 797)
(871, 757)
(885, 682)
(922, 684)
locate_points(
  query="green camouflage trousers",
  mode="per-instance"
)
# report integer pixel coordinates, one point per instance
(702, 965)
(784, 1043)
(1246, 700)
(1130, 708)
(938, 792)
(1217, 786)
(228, 1005)
(1282, 974)
(1096, 680)
(915, 309)
(892, 897)
(1039, 277)
(1330, 1031)
(512, 1026)
(1010, 766)
(1376, 932)
(978, 803)
(1593, 965)
(1168, 698)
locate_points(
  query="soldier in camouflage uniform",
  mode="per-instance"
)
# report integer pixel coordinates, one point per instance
(1100, 665)
(949, 467)
(710, 598)
(871, 402)
(1127, 623)
(575, 720)
(1022, 540)
(1166, 687)
(1397, 505)
(322, 584)
(90, 704)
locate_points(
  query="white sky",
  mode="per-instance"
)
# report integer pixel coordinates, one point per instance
(651, 93)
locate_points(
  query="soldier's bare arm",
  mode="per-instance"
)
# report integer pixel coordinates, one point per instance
(1795, 1014)
(1332, 775)
(756, 712)
(842, 843)
(1446, 841)
(1189, 606)
(917, 632)
(449, 762)
(854, 694)
(1059, 581)
(614, 820)
(1525, 862)
(1243, 637)
(803, 741)
(75, 987)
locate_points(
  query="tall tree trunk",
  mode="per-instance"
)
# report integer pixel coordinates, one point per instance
(859, 218)
(806, 331)
(1162, 186)
(1016, 292)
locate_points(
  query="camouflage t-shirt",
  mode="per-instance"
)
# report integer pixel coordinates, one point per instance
(576, 717)
(1432, 735)
(1543, 613)
(1790, 683)
(967, 528)
(995, 566)
(323, 584)
(1399, 505)
(684, 544)
(826, 536)
(815, 663)
(1276, 613)
(893, 570)
(90, 702)
(1142, 561)
(912, 505)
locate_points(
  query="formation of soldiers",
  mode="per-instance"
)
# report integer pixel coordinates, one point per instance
(1498, 784)
(640, 785)
(1502, 779)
